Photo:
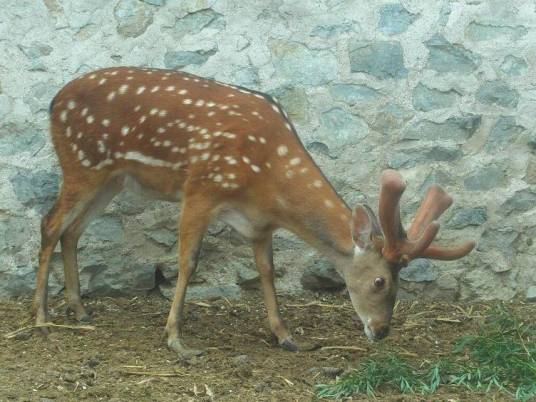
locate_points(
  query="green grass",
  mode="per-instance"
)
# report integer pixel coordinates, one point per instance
(500, 356)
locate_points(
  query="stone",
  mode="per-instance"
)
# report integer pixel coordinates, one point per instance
(35, 189)
(481, 32)
(530, 173)
(163, 236)
(34, 52)
(335, 30)
(391, 117)
(14, 232)
(247, 77)
(444, 14)
(426, 99)
(15, 140)
(455, 129)
(445, 57)
(394, 19)
(155, 2)
(532, 143)
(341, 128)
(353, 93)
(122, 279)
(133, 18)
(6, 106)
(106, 230)
(240, 360)
(522, 201)
(501, 238)
(302, 66)
(504, 132)
(530, 296)
(485, 178)
(514, 66)
(242, 42)
(419, 270)
(131, 203)
(39, 96)
(317, 147)
(195, 22)
(204, 292)
(436, 176)
(383, 59)
(247, 278)
(497, 93)
(321, 276)
(411, 157)
(176, 60)
(499, 246)
(468, 217)
(294, 100)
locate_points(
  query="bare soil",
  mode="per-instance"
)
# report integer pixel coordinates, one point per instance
(124, 358)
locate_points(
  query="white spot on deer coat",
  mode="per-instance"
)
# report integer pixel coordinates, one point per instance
(123, 89)
(295, 161)
(282, 150)
(125, 130)
(105, 122)
(140, 90)
(111, 96)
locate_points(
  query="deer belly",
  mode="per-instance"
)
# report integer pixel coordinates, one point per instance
(240, 222)
(132, 184)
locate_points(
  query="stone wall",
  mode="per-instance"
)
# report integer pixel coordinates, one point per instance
(442, 91)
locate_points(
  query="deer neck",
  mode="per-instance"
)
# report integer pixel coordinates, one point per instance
(314, 212)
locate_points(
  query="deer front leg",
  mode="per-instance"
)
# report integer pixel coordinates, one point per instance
(262, 250)
(195, 217)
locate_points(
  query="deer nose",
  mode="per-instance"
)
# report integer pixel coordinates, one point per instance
(381, 332)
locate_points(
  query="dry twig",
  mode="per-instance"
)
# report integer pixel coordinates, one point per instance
(48, 325)
(353, 348)
(316, 304)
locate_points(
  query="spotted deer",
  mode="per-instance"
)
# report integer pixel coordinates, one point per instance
(226, 153)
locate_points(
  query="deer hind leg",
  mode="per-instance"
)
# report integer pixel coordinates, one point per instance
(262, 249)
(69, 242)
(195, 217)
(67, 207)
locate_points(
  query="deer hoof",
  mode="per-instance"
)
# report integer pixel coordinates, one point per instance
(289, 345)
(183, 352)
(80, 314)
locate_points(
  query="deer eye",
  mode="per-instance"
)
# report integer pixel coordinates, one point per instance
(379, 282)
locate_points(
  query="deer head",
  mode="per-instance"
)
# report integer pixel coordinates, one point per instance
(383, 249)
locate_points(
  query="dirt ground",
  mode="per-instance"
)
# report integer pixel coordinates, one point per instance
(123, 357)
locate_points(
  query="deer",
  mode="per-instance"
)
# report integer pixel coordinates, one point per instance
(225, 153)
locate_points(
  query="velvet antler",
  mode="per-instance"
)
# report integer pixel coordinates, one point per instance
(401, 247)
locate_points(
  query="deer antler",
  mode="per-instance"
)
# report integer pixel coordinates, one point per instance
(399, 247)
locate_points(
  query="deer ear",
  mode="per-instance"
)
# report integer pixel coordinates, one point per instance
(364, 227)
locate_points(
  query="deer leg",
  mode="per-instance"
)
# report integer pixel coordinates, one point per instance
(53, 224)
(69, 242)
(262, 249)
(194, 220)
